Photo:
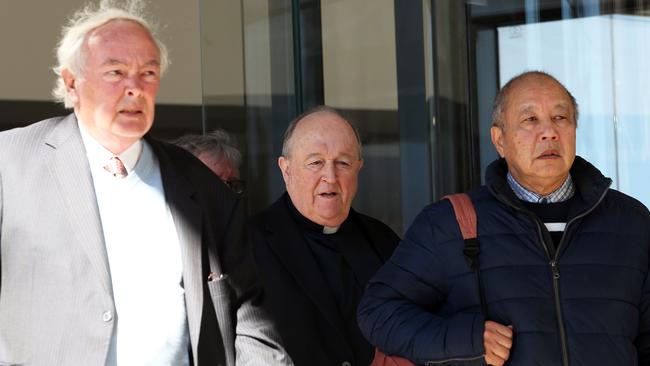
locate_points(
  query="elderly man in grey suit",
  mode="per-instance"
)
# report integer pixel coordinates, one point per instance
(115, 248)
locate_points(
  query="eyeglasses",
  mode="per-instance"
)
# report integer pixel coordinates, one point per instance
(236, 185)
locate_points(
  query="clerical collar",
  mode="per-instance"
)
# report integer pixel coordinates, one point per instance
(307, 224)
(330, 230)
(564, 193)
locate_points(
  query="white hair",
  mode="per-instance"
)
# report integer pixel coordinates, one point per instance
(70, 49)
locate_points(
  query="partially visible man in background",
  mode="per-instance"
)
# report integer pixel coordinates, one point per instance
(116, 248)
(218, 151)
(316, 253)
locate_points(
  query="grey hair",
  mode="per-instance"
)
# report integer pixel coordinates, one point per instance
(218, 143)
(70, 49)
(286, 142)
(501, 98)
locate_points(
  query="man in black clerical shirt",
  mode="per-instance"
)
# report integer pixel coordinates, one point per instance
(314, 252)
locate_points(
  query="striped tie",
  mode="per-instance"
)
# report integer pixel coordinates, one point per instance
(116, 168)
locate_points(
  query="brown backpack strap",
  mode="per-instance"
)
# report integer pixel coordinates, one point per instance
(465, 214)
(382, 359)
(466, 217)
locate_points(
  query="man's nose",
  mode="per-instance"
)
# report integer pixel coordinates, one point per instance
(133, 86)
(329, 172)
(549, 130)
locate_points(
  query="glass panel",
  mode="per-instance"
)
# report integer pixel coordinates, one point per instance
(578, 52)
(265, 61)
(247, 75)
(270, 98)
(360, 80)
(597, 49)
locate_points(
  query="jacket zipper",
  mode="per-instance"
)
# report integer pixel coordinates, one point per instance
(555, 270)
(428, 363)
(558, 310)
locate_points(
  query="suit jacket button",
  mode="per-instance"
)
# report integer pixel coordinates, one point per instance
(346, 363)
(107, 316)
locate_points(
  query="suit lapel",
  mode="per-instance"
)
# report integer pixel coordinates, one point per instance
(293, 251)
(69, 168)
(186, 212)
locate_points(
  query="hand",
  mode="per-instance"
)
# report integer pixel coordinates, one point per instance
(497, 341)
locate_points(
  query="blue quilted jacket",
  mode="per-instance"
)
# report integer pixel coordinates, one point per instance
(586, 304)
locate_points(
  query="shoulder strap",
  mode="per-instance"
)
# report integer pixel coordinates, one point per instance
(466, 216)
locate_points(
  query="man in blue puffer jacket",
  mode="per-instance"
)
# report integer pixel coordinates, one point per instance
(563, 258)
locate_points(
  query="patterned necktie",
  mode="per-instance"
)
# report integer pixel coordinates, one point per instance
(116, 168)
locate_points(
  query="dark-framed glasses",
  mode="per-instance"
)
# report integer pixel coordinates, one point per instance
(236, 185)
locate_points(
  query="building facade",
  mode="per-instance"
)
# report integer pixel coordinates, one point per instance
(416, 76)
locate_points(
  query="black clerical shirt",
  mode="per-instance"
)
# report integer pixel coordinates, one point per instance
(342, 257)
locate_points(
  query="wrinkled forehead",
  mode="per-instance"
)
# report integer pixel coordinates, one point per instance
(122, 34)
(324, 130)
(526, 94)
(560, 106)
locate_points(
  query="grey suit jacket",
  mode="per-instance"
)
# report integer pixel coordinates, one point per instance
(55, 288)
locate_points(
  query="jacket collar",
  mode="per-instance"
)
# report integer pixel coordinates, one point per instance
(67, 162)
(362, 266)
(590, 184)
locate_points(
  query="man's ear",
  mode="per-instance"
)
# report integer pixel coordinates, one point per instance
(497, 139)
(283, 163)
(70, 82)
(360, 164)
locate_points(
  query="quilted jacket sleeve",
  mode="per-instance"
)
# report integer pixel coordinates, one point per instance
(643, 336)
(398, 311)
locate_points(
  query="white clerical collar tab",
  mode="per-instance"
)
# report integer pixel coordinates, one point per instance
(330, 230)
(555, 226)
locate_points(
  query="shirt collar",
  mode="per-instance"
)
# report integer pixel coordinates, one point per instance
(98, 155)
(565, 192)
(307, 224)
